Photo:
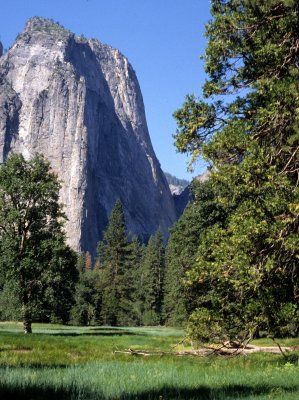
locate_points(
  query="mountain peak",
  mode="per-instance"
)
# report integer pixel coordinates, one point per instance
(79, 103)
(44, 25)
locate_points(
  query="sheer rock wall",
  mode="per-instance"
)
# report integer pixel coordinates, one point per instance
(78, 102)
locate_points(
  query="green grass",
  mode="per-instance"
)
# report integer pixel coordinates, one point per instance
(62, 362)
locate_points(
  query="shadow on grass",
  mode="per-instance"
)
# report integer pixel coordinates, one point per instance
(107, 328)
(291, 358)
(116, 333)
(29, 365)
(202, 392)
(101, 331)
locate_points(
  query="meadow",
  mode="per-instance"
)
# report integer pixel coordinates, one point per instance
(63, 362)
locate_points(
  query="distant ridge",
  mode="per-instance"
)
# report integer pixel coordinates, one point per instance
(176, 185)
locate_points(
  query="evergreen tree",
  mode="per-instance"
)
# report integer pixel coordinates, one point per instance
(81, 262)
(112, 253)
(153, 271)
(185, 236)
(130, 307)
(248, 268)
(88, 261)
(88, 298)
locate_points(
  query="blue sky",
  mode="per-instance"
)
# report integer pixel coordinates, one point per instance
(163, 40)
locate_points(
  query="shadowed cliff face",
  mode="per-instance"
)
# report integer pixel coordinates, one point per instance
(78, 102)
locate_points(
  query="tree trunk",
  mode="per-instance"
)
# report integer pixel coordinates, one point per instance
(27, 326)
(27, 320)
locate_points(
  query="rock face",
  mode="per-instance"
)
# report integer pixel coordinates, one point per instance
(184, 197)
(176, 185)
(181, 200)
(78, 102)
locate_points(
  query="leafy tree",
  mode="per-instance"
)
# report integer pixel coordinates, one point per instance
(33, 253)
(153, 271)
(59, 282)
(10, 308)
(248, 131)
(246, 272)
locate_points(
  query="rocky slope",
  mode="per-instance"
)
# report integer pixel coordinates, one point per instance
(183, 197)
(176, 185)
(78, 102)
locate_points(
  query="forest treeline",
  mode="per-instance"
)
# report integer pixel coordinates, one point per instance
(123, 286)
(41, 279)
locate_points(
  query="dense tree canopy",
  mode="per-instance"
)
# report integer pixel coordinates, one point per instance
(248, 130)
(252, 56)
(33, 253)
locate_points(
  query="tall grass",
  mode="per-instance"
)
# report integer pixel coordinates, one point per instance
(79, 363)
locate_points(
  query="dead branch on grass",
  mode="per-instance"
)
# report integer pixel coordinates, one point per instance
(222, 350)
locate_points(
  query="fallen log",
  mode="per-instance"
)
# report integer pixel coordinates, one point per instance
(216, 350)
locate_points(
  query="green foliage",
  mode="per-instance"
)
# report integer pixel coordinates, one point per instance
(88, 299)
(153, 271)
(132, 291)
(112, 253)
(50, 27)
(131, 275)
(10, 307)
(251, 46)
(59, 281)
(202, 213)
(246, 270)
(33, 253)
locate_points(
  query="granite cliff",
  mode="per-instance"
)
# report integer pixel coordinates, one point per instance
(78, 102)
(183, 197)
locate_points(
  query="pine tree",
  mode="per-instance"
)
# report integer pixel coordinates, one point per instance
(88, 299)
(153, 271)
(81, 262)
(112, 252)
(88, 261)
(185, 236)
(130, 307)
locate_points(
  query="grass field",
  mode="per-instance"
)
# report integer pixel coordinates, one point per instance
(61, 362)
